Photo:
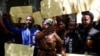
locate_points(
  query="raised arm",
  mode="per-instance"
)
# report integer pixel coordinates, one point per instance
(3, 28)
(6, 19)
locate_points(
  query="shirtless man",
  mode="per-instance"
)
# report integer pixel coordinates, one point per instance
(48, 41)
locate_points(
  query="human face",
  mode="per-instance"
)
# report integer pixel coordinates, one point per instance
(72, 25)
(45, 26)
(61, 25)
(86, 21)
(29, 21)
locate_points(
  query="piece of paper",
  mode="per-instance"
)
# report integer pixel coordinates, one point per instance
(20, 11)
(38, 17)
(51, 8)
(18, 50)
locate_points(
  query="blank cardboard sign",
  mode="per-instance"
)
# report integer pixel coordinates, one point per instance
(18, 50)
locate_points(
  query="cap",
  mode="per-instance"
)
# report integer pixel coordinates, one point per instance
(48, 21)
(88, 13)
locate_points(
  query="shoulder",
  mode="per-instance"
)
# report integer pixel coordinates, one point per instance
(93, 31)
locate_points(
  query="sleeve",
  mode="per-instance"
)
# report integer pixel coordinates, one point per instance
(11, 28)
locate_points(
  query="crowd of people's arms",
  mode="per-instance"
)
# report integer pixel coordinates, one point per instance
(50, 39)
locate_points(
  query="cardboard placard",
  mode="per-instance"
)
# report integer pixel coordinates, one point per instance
(12, 49)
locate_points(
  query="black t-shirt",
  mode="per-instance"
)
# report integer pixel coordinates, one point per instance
(73, 43)
(93, 35)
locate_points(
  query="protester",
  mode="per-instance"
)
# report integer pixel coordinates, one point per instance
(72, 40)
(48, 40)
(90, 36)
(28, 32)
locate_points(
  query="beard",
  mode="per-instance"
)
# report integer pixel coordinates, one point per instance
(28, 25)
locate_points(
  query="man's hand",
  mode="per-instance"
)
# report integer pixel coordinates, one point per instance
(63, 53)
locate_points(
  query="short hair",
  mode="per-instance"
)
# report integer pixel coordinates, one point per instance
(32, 18)
(88, 13)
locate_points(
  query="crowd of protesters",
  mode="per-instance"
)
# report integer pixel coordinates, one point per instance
(64, 36)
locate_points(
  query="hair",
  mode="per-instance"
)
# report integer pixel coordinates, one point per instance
(88, 13)
(32, 18)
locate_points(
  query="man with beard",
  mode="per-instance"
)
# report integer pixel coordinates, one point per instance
(28, 32)
(90, 36)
